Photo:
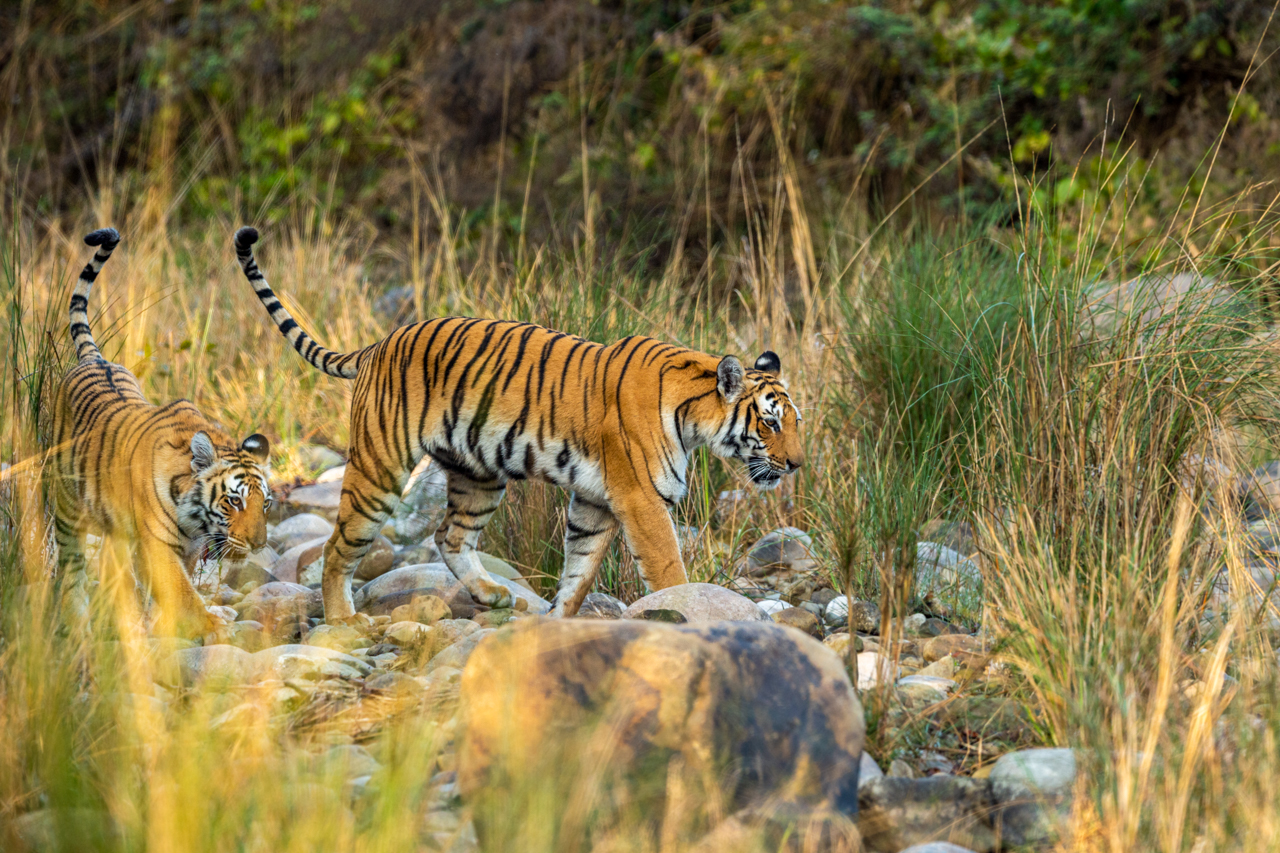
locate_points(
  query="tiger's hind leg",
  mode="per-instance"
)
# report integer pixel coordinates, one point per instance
(590, 529)
(471, 505)
(365, 506)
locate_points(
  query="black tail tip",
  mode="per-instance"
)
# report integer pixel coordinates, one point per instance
(246, 237)
(108, 237)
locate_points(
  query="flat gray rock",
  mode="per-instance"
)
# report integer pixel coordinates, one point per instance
(309, 662)
(219, 663)
(699, 602)
(1032, 788)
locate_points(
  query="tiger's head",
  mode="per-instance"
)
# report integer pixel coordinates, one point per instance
(761, 424)
(225, 510)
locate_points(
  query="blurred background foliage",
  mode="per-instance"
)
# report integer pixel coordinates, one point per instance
(241, 107)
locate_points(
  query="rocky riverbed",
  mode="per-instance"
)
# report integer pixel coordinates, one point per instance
(747, 688)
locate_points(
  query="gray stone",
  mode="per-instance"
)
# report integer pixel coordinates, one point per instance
(248, 635)
(347, 760)
(220, 663)
(407, 634)
(298, 557)
(300, 528)
(277, 602)
(342, 638)
(801, 619)
(823, 597)
(895, 813)
(317, 457)
(457, 655)
(948, 578)
(423, 576)
(787, 547)
(237, 573)
(868, 769)
(866, 615)
(437, 577)
(422, 506)
(308, 662)
(599, 605)
(699, 602)
(1033, 788)
(377, 562)
(318, 496)
(427, 609)
(424, 552)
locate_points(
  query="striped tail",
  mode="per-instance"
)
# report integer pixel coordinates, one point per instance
(106, 239)
(341, 365)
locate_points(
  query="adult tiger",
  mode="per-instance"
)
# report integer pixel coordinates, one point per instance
(161, 475)
(493, 401)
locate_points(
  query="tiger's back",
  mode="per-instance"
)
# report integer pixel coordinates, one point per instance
(162, 476)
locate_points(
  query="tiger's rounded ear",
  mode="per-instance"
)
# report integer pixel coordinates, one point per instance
(202, 452)
(729, 378)
(768, 362)
(257, 446)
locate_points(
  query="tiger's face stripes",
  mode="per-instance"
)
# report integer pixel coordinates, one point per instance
(163, 476)
(226, 507)
(762, 428)
(493, 401)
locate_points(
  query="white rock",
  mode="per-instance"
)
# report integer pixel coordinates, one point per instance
(333, 475)
(942, 685)
(868, 769)
(770, 606)
(874, 668)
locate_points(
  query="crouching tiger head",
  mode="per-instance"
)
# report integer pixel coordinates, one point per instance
(225, 509)
(762, 425)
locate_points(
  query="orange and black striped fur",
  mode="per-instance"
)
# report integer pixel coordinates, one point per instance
(494, 401)
(163, 476)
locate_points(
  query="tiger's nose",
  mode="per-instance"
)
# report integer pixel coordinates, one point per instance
(794, 465)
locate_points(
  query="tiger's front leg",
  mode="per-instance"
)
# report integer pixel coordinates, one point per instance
(651, 536)
(590, 529)
(471, 505)
(181, 609)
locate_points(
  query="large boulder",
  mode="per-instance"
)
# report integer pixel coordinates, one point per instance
(622, 715)
(699, 602)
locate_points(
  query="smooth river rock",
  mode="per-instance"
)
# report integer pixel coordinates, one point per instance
(763, 714)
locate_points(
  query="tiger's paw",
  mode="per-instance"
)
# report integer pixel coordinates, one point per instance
(217, 625)
(491, 594)
(362, 622)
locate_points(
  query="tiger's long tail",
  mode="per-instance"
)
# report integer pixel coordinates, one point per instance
(339, 364)
(106, 239)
